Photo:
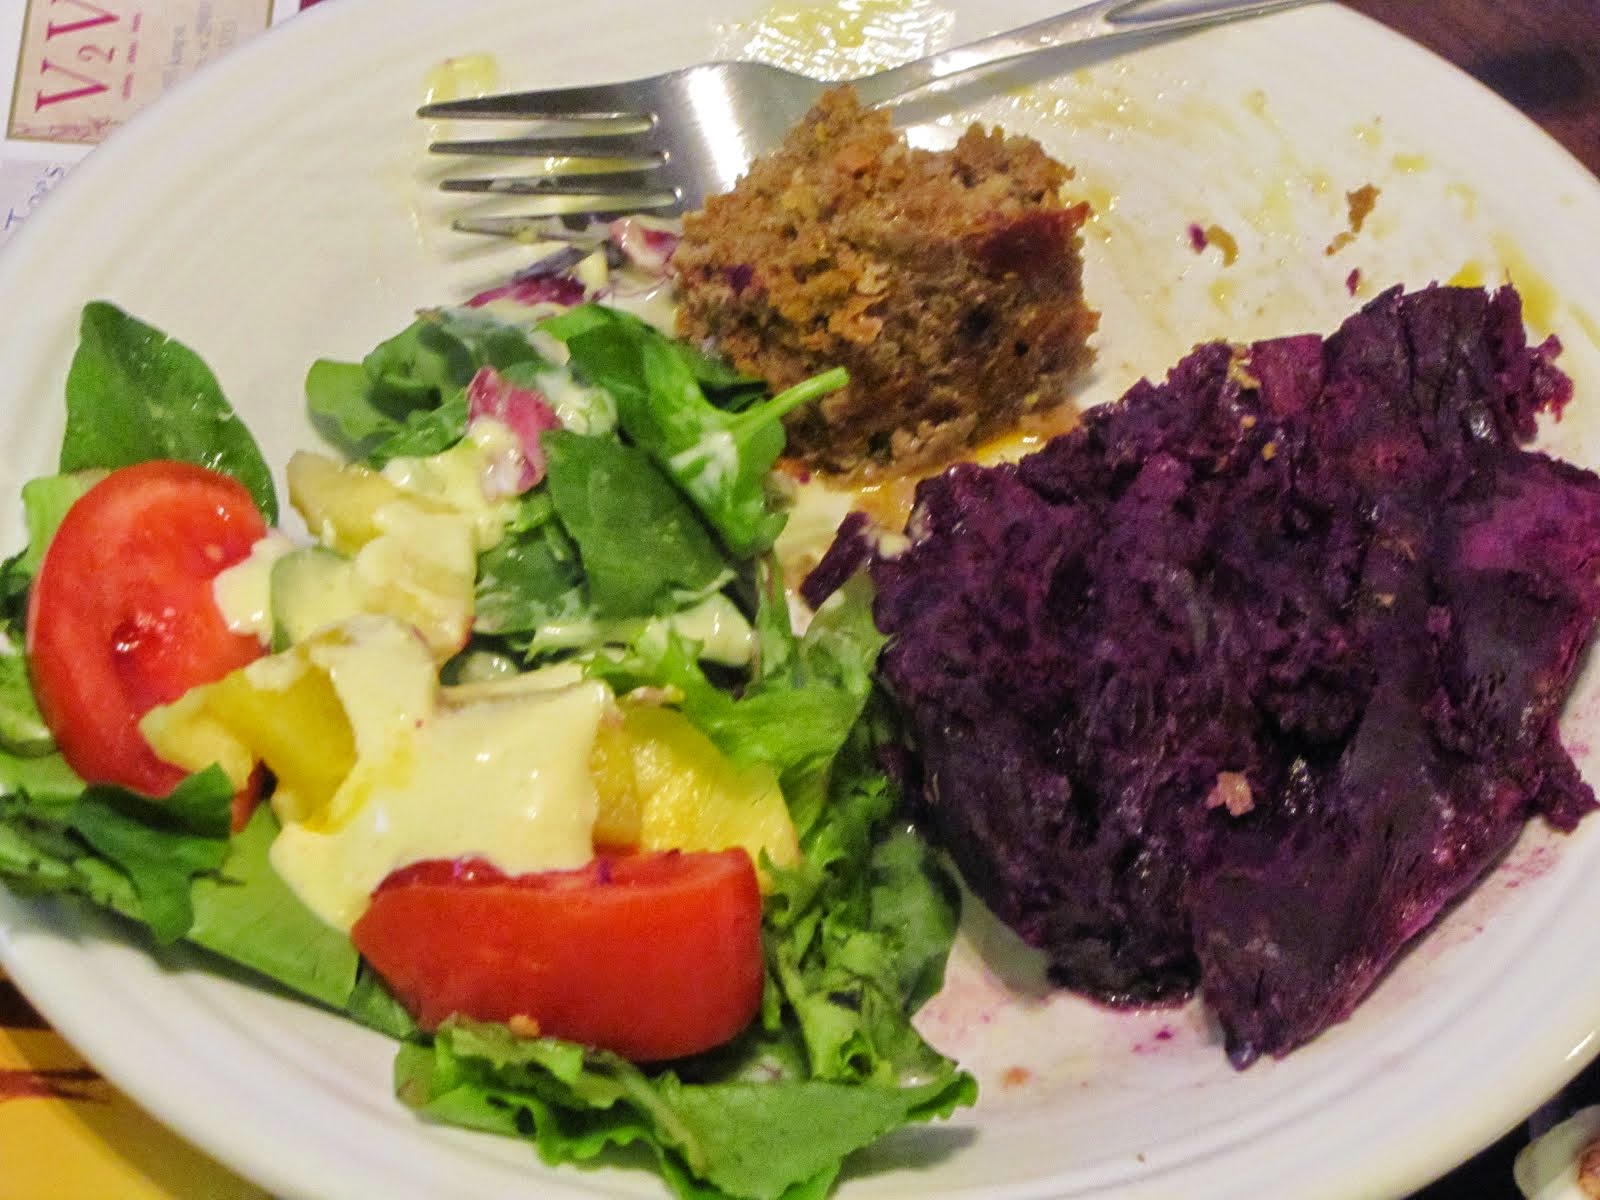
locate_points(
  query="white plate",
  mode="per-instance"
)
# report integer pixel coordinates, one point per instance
(278, 208)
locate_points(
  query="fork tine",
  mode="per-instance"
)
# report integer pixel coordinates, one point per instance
(588, 168)
(559, 208)
(606, 125)
(634, 145)
(604, 100)
(531, 227)
(572, 185)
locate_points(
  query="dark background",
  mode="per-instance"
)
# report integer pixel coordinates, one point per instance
(1544, 57)
(1541, 55)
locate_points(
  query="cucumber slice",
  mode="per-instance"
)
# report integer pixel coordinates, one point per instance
(310, 589)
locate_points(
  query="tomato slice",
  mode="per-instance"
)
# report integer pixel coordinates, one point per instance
(654, 956)
(121, 615)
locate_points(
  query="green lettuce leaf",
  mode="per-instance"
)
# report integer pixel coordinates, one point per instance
(778, 1139)
(795, 716)
(372, 1004)
(42, 780)
(858, 933)
(22, 728)
(135, 856)
(44, 502)
(246, 913)
(134, 394)
(160, 845)
(170, 865)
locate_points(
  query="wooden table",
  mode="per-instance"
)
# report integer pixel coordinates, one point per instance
(1544, 57)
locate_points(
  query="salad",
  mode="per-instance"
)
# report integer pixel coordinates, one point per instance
(519, 757)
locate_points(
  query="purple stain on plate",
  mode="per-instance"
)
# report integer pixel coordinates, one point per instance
(1158, 1041)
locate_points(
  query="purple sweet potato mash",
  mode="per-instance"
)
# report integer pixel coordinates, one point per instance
(1241, 682)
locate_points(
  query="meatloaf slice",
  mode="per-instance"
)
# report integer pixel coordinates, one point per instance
(949, 284)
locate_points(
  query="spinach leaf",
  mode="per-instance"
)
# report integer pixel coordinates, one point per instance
(529, 581)
(716, 376)
(408, 396)
(134, 394)
(336, 396)
(721, 459)
(531, 578)
(641, 543)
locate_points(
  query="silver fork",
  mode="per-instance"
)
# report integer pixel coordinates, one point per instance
(663, 144)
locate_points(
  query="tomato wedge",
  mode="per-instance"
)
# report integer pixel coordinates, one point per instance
(654, 956)
(121, 615)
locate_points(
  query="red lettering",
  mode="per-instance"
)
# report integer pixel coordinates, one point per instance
(91, 87)
(101, 17)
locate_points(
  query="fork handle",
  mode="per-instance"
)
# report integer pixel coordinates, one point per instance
(1094, 22)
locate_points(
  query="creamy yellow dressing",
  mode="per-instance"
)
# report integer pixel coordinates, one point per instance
(496, 770)
(715, 454)
(381, 672)
(580, 409)
(455, 477)
(721, 629)
(813, 520)
(243, 592)
(656, 306)
(593, 271)
(464, 77)
(422, 568)
(510, 687)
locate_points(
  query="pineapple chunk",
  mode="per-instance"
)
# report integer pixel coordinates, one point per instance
(355, 689)
(340, 501)
(186, 734)
(664, 785)
(414, 556)
(619, 821)
(299, 730)
(421, 567)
